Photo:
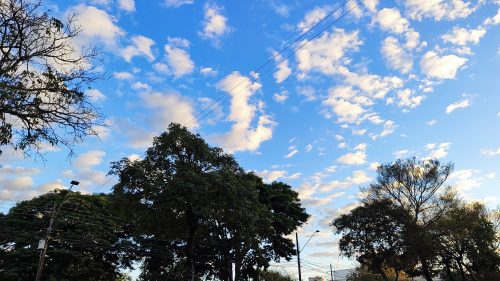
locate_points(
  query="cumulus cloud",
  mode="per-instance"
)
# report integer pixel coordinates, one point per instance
(208, 71)
(123, 75)
(90, 158)
(441, 67)
(390, 19)
(357, 178)
(326, 53)
(461, 36)
(126, 5)
(493, 20)
(178, 59)
(344, 101)
(141, 46)
(284, 69)
(273, 175)
(244, 136)
(408, 98)
(438, 9)
(395, 55)
(167, 108)
(354, 158)
(95, 95)
(214, 24)
(281, 97)
(458, 105)
(437, 151)
(311, 18)
(97, 26)
(308, 92)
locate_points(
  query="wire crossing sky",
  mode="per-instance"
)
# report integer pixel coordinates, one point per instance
(312, 93)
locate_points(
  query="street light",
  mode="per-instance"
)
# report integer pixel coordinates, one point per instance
(298, 251)
(43, 244)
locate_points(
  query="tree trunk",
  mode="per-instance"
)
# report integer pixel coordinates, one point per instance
(384, 276)
(425, 270)
(461, 268)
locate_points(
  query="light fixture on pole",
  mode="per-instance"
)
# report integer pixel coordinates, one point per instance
(300, 250)
(43, 244)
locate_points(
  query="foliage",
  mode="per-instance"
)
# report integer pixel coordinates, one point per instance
(418, 187)
(87, 241)
(199, 211)
(271, 275)
(362, 274)
(375, 233)
(42, 79)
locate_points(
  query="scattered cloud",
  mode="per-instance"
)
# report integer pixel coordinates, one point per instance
(90, 158)
(461, 36)
(311, 18)
(215, 24)
(292, 151)
(141, 46)
(390, 19)
(395, 55)
(177, 3)
(284, 69)
(437, 151)
(166, 108)
(281, 97)
(491, 151)
(438, 9)
(458, 105)
(441, 67)
(354, 158)
(178, 59)
(244, 136)
(127, 5)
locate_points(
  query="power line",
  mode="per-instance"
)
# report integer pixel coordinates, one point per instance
(223, 98)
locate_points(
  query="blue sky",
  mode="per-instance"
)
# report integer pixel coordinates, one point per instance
(390, 79)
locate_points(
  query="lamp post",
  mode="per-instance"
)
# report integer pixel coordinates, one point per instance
(300, 250)
(43, 244)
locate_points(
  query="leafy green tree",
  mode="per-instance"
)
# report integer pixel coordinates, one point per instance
(375, 234)
(272, 275)
(468, 244)
(418, 187)
(87, 240)
(43, 76)
(199, 212)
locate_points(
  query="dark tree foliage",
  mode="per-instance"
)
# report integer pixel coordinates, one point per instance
(468, 244)
(415, 186)
(199, 212)
(42, 79)
(375, 234)
(271, 275)
(87, 242)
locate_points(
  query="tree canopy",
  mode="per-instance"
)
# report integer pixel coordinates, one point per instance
(199, 212)
(87, 243)
(43, 76)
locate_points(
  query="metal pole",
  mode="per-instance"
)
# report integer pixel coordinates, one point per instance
(331, 273)
(43, 252)
(298, 254)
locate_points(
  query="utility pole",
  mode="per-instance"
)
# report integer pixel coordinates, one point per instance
(298, 254)
(331, 273)
(44, 243)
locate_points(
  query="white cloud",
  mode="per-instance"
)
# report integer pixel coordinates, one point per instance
(214, 24)
(273, 175)
(401, 153)
(458, 105)
(311, 18)
(141, 46)
(309, 147)
(243, 136)
(493, 20)
(97, 26)
(490, 152)
(395, 55)
(167, 108)
(283, 69)
(95, 95)
(342, 101)
(208, 71)
(390, 19)
(408, 98)
(292, 151)
(281, 97)
(326, 53)
(438, 9)
(466, 179)
(371, 5)
(177, 3)
(437, 151)
(127, 5)
(308, 92)
(354, 158)
(444, 67)
(461, 36)
(357, 178)
(123, 75)
(431, 122)
(178, 59)
(90, 158)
